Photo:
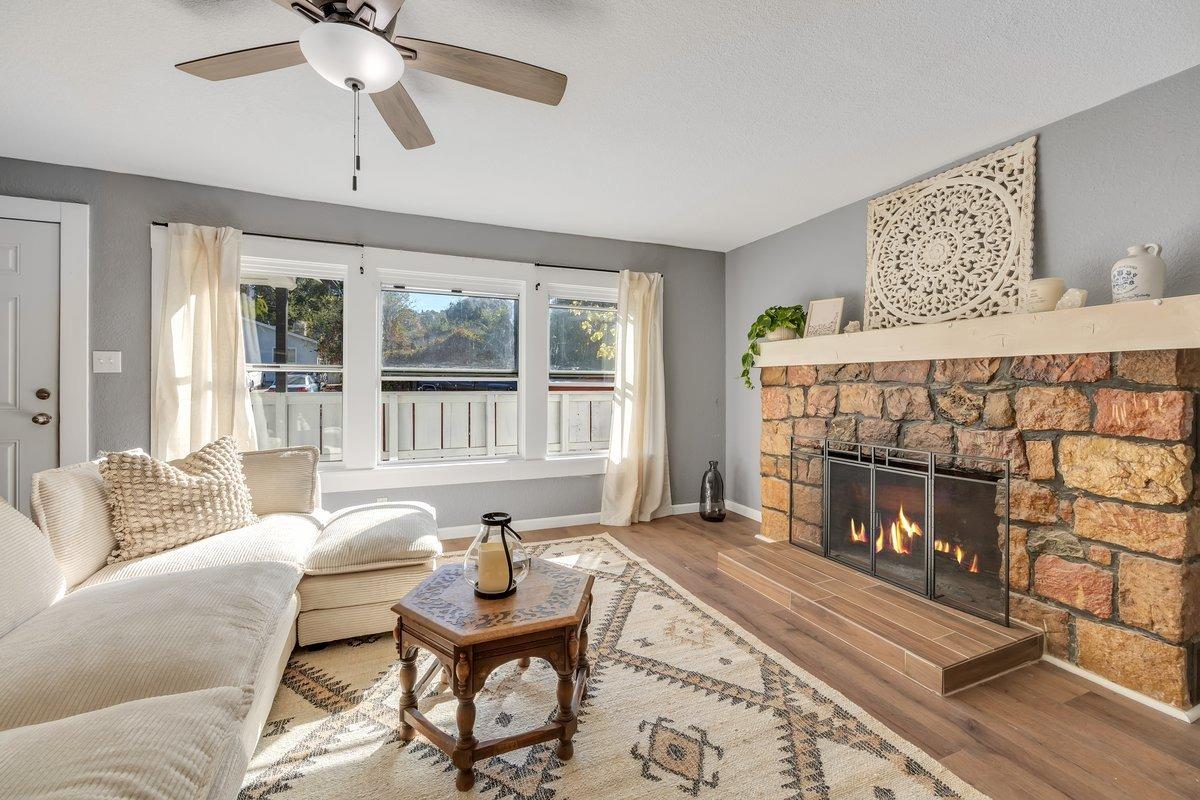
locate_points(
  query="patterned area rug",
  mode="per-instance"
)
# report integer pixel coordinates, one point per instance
(683, 704)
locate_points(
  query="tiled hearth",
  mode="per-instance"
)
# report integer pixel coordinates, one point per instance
(1104, 519)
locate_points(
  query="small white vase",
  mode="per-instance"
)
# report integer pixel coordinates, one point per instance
(1139, 276)
(1043, 294)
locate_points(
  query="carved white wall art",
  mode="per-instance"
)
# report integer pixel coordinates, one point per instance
(955, 246)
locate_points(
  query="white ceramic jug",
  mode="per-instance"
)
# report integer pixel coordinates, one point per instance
(1140, 276)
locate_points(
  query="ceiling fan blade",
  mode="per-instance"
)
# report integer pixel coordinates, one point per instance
(240, 63)
(385, 11)
(485, 70)
(400, 113)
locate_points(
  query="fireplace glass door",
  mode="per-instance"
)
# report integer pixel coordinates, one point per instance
(899, 538)
(849, 514)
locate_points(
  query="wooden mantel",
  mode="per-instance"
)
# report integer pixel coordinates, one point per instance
(1173, 323)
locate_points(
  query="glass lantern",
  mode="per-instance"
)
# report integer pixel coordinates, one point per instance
(496, 561)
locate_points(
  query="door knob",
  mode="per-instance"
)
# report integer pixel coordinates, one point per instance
(42, 418)
(42, 394)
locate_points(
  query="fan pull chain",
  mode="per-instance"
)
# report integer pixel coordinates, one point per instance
(357, 160)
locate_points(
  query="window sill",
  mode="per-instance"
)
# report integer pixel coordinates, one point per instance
(335, 478)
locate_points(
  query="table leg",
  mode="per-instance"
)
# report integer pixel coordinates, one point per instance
(523, 663)
(463, 756)
(408, 699)
(566, 714)
(585, 666)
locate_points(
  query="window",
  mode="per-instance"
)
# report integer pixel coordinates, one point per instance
(293, 331)
(583, 354)
(448, 374)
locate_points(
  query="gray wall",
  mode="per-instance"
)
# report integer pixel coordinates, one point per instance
(123, 206)
(1119, 174)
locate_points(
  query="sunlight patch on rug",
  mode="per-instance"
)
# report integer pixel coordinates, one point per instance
(683, 703)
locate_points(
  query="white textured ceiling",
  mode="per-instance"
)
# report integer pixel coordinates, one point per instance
(702, 123)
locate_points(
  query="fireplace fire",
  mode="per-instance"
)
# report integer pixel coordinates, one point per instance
(926, 522)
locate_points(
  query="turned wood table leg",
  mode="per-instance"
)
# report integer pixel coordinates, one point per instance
(566, 714)
(408, 699)
(464, 750)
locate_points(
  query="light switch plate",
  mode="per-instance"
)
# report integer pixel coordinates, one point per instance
(106, 361)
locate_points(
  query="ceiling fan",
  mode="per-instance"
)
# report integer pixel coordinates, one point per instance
(354, 45)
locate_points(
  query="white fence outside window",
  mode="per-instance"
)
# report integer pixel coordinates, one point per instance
(434, 425)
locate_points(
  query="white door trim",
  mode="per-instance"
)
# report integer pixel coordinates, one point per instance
(74, 377)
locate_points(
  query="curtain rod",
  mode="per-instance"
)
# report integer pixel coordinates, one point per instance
(360, 244)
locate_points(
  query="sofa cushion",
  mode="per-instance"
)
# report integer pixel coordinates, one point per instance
(30, 579)
(70, 505)
(283, 480)
(157, 506)
(127, 640)
(361, 588)
(279, 538)
(375, 536)
(175, 747)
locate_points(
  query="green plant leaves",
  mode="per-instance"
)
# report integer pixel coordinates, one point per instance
(772, 319)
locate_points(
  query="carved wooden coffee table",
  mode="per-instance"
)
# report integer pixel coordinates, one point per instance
(547, 618)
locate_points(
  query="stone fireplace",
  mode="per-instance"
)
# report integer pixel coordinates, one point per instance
(1105, 526)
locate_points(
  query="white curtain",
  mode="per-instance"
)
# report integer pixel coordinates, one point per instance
(637, 486)
(200, 392)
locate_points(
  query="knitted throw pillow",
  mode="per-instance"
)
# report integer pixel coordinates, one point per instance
(157, 506)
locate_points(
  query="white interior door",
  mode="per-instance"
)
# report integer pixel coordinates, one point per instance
(29, 325)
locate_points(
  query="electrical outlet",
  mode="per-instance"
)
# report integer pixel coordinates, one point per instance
(106, 361)
(381, 500)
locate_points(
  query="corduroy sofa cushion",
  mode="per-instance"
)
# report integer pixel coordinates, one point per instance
(30, 579)
(375, 536)
(70, 505)
(284, 480)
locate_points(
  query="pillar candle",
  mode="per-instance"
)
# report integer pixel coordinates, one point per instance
(493, 568)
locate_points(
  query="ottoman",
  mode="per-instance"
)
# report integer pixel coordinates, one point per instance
(364, 560)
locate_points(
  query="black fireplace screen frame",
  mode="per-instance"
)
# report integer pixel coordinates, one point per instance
(925, 464)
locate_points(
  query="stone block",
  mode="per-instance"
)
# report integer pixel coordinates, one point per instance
(809, 432)
(1052, 408)
(907, 402)
(776, 438)
(833, 373)
(901, 371)
(1161, 367)
(878, 431)
(773, 376)
(807, 503)
(936, 437)
(1018, 558)
(822, 401)
(772, 466)
(1134, 660)
(805, 375)
(843, 429)
(1083, 368)
(991, 444)
(1056, 541)
(1099, 555)
(1159, 596)
(1052, 622)
(1140, 473)
(962, 406)
(774, 402)
(774, 492)
(1082, 586)
(1170, 534)
(965, 370)
(1154, 415)
(1030, 502)
(998, 410)
(1040, 453)
(774, 525)
(804, 532)
(860, 398)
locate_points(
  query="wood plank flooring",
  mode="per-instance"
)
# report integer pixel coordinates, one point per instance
(1038, 732)
(942, 649)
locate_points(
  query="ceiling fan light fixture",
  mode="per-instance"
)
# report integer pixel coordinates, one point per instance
(345, 54)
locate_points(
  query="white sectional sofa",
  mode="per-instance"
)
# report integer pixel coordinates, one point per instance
(152, 678)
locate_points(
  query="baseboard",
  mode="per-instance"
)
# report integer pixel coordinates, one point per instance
(685, 508)
(746, 511)
(1189, 715)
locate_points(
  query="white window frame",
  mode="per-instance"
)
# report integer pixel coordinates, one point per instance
(365, 272)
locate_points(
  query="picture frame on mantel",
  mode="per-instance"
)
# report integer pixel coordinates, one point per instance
(824, 317)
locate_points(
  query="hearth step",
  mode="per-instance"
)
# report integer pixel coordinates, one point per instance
(940, 648)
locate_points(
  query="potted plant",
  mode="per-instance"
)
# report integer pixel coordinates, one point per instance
(774, 324)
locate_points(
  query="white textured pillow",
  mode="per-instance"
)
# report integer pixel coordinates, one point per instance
(375, 536)
(70, 505)
(30, 579)
(157, 506)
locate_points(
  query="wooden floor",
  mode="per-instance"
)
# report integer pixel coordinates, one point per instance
(941, 649)
(1033, 733)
